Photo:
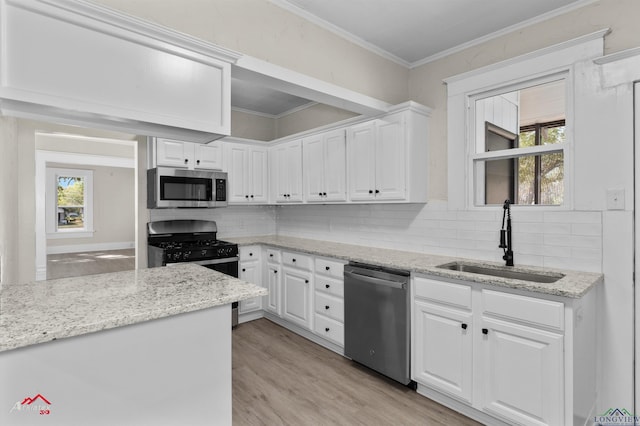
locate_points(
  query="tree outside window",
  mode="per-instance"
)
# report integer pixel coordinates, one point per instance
(71, 202)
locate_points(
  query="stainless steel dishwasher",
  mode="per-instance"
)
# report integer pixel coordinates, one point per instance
(377, 319)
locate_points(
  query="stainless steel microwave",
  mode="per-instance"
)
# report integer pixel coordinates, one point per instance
(169, 187)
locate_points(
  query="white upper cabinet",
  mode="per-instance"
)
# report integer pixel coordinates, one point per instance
(286, 172)
(87, 64)
(324, 167)
(247, 169)
(387, 158)
(187, 155)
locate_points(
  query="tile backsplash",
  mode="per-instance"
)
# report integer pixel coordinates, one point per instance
(555, 239)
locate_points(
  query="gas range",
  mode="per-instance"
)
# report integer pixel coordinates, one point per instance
(174, 241)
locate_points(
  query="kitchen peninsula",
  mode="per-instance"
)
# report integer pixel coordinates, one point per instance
(150, 346)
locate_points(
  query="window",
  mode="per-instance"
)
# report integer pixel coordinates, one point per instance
(520, 141)
(69, 203)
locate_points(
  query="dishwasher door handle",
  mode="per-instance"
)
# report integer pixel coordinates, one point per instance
(373, 280)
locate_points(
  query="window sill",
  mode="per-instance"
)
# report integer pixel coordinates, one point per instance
(70, 234)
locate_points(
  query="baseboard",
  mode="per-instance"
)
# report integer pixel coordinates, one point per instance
(81, 248)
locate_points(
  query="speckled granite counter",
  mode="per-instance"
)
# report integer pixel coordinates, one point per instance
(574, 284)
(47, 310)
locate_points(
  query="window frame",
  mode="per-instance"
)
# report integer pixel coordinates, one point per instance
(53, 173)
(474, 158)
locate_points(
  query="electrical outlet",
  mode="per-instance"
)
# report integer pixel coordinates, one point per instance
(615, 199)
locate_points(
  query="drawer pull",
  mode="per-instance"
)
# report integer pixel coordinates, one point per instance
(326, 306)
(250, 254)
(327, 268)
(326, 329)
(327, 286)
(306, 281)
(464, 326)
(485, 331)
(293, 260)
(270, 254)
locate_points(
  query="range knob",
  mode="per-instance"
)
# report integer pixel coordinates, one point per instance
(186, 255)
(203, 253)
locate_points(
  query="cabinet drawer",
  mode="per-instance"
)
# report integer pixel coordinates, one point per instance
(530, 310)
(330, 306)
(329, 329)
(249, 253)
(273, 256)
(297, 260)
(329, 267)
(443, 292)
(333, 286)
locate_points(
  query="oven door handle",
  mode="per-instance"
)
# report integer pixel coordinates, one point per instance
(209, 262)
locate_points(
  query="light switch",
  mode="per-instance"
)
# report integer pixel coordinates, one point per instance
(615, 199)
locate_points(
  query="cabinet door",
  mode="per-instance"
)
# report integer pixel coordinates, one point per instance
(442, 349)
(296, 297)
(522, 373)
(237, 170)
(208, 156)
(314, 168)
(174, 153)
(280, 173)
(293, 166)
(251, 272)
(361, 159)
(272, 300)
(391, 163)
(257, 175)
(335, 166)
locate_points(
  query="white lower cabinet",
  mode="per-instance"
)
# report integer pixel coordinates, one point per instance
(501, 355)
(250, 269)
(522, 373)
(296, 297)
(443, 344)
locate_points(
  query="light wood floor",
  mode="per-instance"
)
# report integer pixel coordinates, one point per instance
(89, 263)
(280, 378)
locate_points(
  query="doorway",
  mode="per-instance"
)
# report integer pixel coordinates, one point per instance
(86, 211)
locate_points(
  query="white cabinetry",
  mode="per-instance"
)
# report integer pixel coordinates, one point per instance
(296, 289)
(82, 64)
(329, 300)
(271, 301)
(188, 155)
(286, 171)
(495, 354)
(250, 270)
(246, 165)
(325, 167)
(387, 158)
(443, 337)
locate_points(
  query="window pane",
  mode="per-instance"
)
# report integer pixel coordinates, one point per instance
(551, 179)
(526, 180)
(71, 197)
(552, 135)
(527, 139)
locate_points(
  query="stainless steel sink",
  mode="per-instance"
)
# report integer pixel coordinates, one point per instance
(503, 272)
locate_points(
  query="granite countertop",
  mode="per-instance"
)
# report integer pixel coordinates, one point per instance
(42, 311)
(574, 284)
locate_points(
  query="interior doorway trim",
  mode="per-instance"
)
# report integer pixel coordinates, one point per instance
(42, 158)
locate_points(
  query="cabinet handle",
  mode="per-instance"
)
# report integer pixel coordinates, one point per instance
(485, 331)
(244, 270)
(271, 255)
(186, 160)
(320, 194)
(246, 196)
(377, 191)
(371, 191)
(252, 196)
(326, 329)
(306, 281)
(326, 268)
(275, 272)
(324, 194)
(250, 254)
(293, 260)
(464, 326)
(327, 286)
(326, 306)
(197, 161)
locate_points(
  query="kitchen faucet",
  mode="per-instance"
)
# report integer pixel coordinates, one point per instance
(505, 234)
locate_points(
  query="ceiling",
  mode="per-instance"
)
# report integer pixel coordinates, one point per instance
(409, 32)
